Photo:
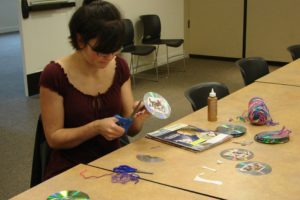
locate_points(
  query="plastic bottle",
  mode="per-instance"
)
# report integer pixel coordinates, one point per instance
(212, 101)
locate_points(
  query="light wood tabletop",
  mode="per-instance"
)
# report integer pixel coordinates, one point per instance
(180, 166)
(286, 75)
(102, 188)
(174, 177)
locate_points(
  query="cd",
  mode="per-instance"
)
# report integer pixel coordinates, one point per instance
(231, 129)
(237, 154)
(271, 137)
(148, 158)
(254, 168)
(157, 105)
(68, 194)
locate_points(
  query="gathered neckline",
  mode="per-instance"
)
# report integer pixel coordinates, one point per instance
(89, 95)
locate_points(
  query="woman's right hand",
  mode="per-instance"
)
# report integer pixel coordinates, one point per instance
(108, 128)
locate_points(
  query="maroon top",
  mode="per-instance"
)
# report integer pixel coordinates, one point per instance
(80, 109)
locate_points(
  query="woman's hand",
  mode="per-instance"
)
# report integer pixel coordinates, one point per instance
(142, 113)
(108, 128)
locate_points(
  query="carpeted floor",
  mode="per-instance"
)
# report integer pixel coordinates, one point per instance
(18, 114)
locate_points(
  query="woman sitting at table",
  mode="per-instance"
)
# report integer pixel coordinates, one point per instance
(81, 93)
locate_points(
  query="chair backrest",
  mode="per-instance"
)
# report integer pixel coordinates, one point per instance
(198, 94)
(152, 27)
(41, 154)
(252, 68)
(129, 33)
(294, 51)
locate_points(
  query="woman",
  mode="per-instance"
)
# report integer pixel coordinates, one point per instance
(81, 93)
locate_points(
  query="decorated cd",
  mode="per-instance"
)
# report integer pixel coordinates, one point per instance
(231, 129)
(237, 154)
(157, 105)
(68, 194)
(148, 158)
(254, 168)
(273, 137)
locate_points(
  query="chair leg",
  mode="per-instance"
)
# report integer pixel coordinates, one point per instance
(132, 69)
(155, 64)
(168, 67)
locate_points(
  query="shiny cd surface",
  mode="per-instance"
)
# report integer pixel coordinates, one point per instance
(148, 158)
(254, 168)
(157, 105)
(68, 195)
(237, 154)
(231, 129)
(271, 137)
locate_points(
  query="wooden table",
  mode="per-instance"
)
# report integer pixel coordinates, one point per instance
(286, 75)
(181, 166)
(103, 189)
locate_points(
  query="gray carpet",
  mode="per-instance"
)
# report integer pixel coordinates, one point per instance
(18, 114)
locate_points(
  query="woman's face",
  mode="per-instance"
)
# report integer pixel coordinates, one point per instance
(96, 58)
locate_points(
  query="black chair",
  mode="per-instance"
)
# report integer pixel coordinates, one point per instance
(136, 50)
(152, 35)
(41, 154)
(252, 68)
(198, 94)
(294, 51)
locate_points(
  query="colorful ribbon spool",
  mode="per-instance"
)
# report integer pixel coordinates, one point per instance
(258, 112)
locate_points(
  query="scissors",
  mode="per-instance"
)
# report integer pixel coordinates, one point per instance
(127, 169)
(126, 122)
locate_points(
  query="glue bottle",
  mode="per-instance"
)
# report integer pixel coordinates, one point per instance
(212, 101)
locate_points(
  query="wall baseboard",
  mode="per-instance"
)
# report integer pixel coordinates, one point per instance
(9, 29)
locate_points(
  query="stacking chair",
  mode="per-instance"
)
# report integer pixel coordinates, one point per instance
(294, 51)
(41, 154)
(136, 50)
(152, 35)
(252, 68)
(197, 94)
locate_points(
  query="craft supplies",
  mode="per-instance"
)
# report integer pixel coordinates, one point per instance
(127, 169)
(232, 129)
(200, 179)
(69, 194)
(237, 154)
(148, 158)
(254, 168)
(273, 137)
(212, 101)
(258, 112)
(157, 105)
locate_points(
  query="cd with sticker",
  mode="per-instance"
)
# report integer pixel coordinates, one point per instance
(157, 105)
(254, 168)
(231, 129)
(237, 154)
(68, 194)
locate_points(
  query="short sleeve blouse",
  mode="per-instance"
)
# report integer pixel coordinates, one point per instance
(80, 109)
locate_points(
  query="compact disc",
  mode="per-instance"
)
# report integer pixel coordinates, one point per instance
(231, 129)
(148, 158)
(68, 194)
(157, 105)
(254, 168)
(271, 137)
(237, 154)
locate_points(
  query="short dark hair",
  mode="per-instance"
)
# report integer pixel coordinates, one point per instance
(98, 20)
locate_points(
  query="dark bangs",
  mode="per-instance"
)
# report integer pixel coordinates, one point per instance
(111, 38)
(98, 20)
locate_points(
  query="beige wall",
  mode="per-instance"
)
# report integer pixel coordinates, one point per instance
(44, 34)
(272, 26)
(216, 27)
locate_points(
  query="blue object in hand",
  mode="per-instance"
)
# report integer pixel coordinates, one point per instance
(124, 122)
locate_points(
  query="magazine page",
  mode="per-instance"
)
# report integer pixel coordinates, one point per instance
(189, 137)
